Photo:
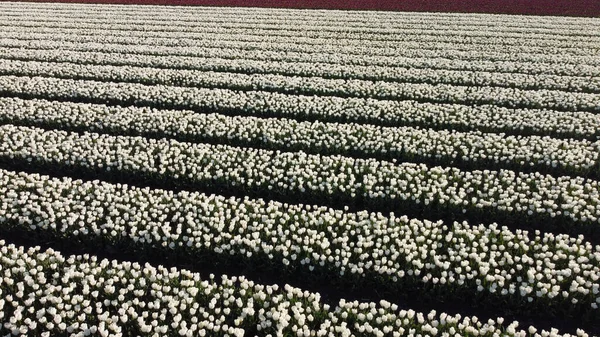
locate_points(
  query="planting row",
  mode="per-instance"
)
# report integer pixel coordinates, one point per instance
(449, 260)
(346, 47)
(333, 180)
(305, 68)
(397, 84)
(350, 21)
(388, 19)
(277, 26)
(227, 48)
(176, 67)
(463, 149)
(181, 17)
(314, 31)
(48, 294)
(362, 46)
(579, 125)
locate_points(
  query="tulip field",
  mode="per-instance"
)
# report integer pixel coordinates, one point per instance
(229, 171)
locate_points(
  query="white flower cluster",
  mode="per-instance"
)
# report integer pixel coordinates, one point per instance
(428, 71)
(325, 108)
(543, 269)
(47, 294)
(362, 140)
(453, 67)
(341, 17)
(328, 23)
(181, 44)
(280, 49)
(316, 30)
(341, 87)
(321, 177)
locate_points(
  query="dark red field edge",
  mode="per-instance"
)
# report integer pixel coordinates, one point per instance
(588, 8)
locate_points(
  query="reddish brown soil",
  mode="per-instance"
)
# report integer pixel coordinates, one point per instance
(534, 7)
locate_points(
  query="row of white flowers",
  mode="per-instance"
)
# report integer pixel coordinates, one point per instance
(312, 45)
(318, 37)
(250, 15)
(400, 143)
(317, 31)
(325, 108)
(305, 67)
(309, 82)
(543, 270)
(325, 18)
(304, 78)
(225, 46)
(82, 295)
(298, 27)
(318, 177)
(432, 27)
(379, 18)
